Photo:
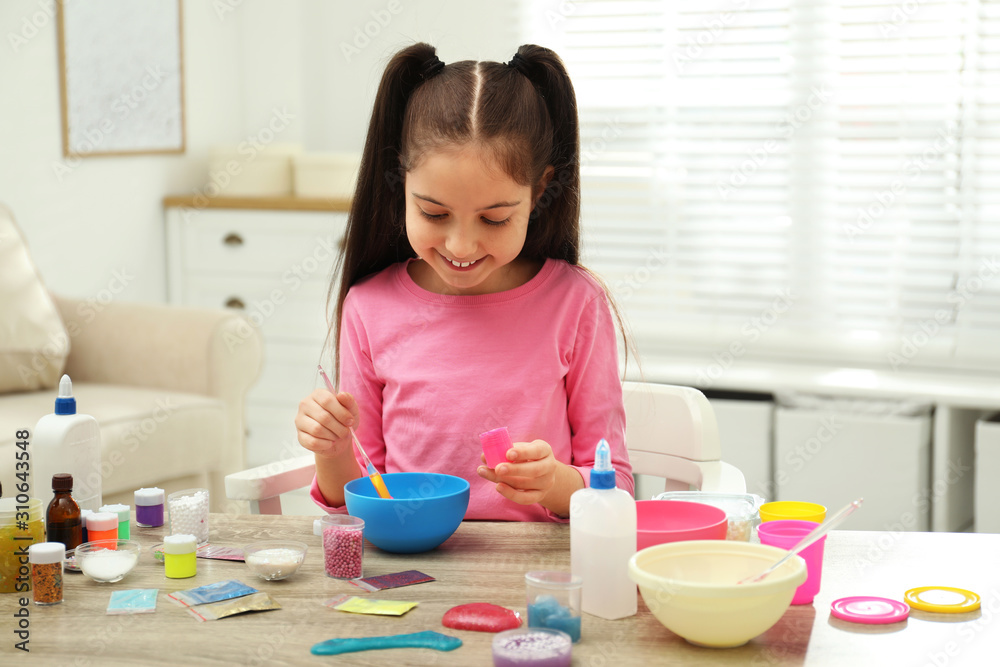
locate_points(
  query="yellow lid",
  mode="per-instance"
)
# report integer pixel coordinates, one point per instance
(942, 599)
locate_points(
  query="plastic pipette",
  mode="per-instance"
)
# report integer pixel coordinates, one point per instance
(373, 474)
(818, 532)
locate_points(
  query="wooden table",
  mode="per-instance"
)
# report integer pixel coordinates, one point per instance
(487, 562)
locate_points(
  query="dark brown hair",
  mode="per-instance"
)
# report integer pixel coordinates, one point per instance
(524, 116)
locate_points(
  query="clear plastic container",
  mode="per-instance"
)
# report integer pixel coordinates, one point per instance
(742, 510)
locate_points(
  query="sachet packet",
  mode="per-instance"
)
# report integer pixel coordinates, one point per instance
(220, 590)
(135, 601)
(213, 611)
(356, 605)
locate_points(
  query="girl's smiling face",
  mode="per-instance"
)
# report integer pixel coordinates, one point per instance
(467, 220)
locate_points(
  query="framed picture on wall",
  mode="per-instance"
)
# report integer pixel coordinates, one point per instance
(121, 77)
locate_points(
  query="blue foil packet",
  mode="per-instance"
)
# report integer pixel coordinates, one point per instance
(135, 601)
(220, 590)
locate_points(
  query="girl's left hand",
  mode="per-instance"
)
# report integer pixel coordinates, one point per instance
(527, 476)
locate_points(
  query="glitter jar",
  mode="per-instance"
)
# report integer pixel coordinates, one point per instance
(124, 514)
(532, 647)
(46, 560)
(189, 513)
(180, 556)
(22, 523)
(149, 507)
(343, 545)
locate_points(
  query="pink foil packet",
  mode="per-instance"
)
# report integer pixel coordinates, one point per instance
(395, 580)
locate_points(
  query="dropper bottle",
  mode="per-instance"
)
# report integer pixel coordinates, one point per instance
(62, 518)
(602, 523)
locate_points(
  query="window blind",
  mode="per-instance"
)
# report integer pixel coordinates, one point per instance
(798, 179)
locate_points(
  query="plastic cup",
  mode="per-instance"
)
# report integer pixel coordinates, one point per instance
(343, 545)
(785, 533)
(780, 510)
(554, 601)
(189, 513)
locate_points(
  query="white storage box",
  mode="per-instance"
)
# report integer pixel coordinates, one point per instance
(987, 472)
(833, 450)
(246, 171)
(326, 175)
(745, 437)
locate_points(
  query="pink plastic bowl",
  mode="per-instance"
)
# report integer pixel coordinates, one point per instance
(662, 521)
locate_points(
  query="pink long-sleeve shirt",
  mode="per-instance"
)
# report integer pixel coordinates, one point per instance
(430, 372)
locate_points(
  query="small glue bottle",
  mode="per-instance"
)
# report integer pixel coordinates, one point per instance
(602, 531)
(179, 556)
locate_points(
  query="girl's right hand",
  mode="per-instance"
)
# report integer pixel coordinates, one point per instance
(323, 422)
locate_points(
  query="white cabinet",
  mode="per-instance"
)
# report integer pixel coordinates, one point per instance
(832, 457)
(745, 438)
(275, 264)
(987, 471)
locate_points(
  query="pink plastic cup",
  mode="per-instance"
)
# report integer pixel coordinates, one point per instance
(786, 533)
(495, 445)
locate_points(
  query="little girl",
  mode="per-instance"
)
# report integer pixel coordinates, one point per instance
(461, 306)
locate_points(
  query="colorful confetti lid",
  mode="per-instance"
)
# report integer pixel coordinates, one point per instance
(942, 599)
(869, 609)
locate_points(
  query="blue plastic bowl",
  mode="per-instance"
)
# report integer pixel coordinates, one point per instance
(425, 509)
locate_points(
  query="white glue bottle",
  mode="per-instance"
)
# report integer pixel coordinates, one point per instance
(68, 442)
(602, 526)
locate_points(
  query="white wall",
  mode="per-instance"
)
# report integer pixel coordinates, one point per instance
(315, 60)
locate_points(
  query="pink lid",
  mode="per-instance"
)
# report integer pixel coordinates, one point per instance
(870, 610)
(498, 437)
(495, 445)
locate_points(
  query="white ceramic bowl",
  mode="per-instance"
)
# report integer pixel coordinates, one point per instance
(690, 587)
(272, 560)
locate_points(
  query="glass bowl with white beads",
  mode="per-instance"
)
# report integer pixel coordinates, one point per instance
(273, 560)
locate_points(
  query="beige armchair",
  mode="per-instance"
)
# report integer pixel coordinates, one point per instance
(166, 384)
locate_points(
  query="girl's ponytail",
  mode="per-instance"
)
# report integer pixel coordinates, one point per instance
(375, 236)
(561, 199)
